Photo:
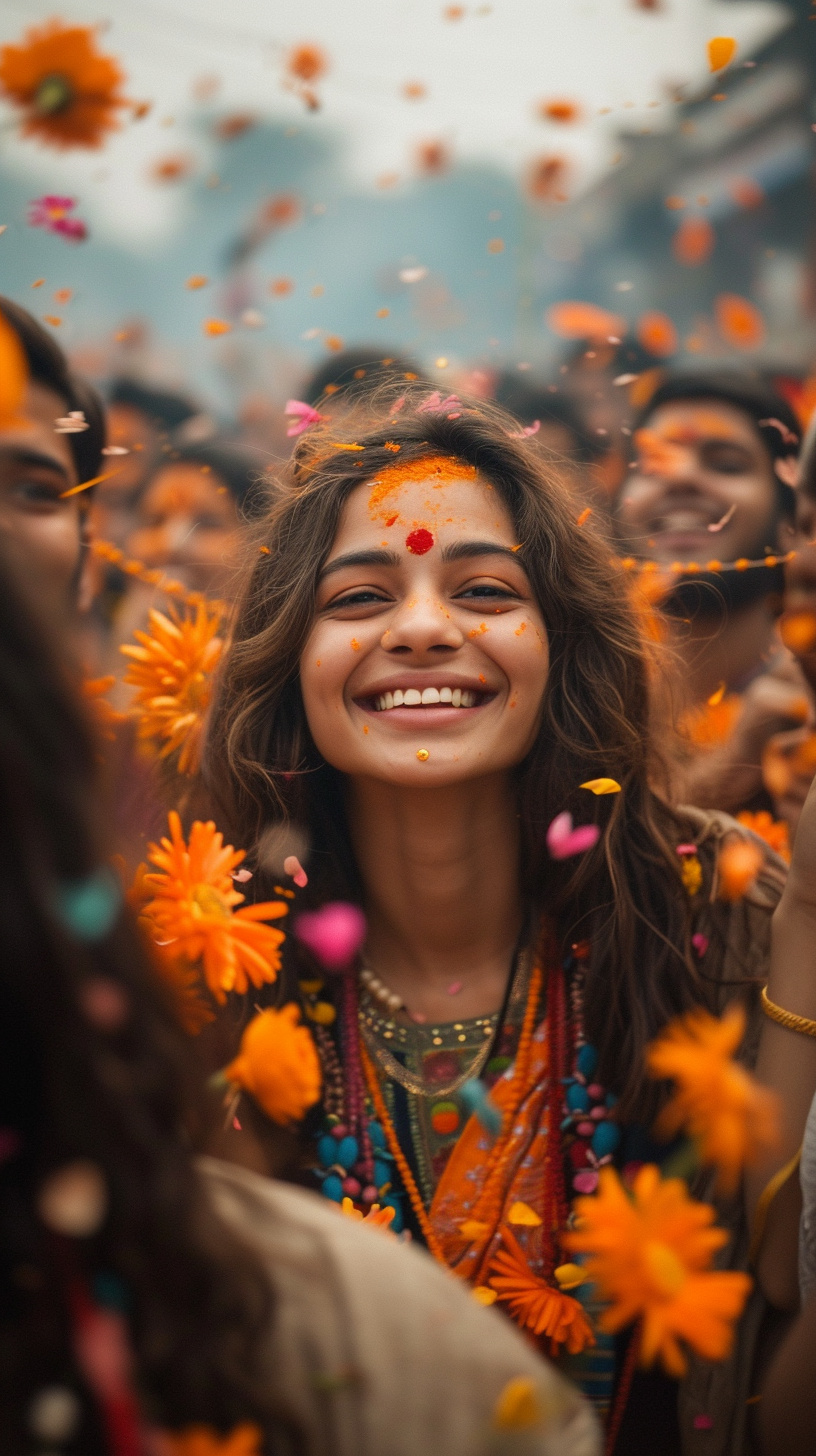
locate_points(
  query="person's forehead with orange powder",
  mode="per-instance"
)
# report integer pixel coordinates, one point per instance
(427, 661)
(703, 485)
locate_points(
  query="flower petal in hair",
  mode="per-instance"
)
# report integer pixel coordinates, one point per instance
(304, 416)
(532, 429)
(436, 405)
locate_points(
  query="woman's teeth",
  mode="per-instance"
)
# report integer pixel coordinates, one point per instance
(413, 698)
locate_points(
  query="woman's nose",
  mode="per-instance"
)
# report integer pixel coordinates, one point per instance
(422, 624)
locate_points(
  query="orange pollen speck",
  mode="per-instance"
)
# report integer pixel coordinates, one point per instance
(355, 646)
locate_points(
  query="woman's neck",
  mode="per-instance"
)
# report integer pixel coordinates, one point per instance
(715, 651)
(440, 870)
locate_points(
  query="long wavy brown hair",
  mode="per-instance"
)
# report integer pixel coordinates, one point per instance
(262, 768)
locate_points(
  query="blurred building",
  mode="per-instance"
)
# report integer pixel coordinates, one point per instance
(731, 188)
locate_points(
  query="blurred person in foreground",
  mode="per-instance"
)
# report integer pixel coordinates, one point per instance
(52, 443)
(151, 1303)
(716, 462)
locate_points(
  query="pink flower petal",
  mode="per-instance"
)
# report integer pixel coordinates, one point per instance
(334, 934)
(305, 414)
(564, 841)
(586, 1181)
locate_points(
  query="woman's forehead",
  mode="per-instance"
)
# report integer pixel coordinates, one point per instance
(442, 506)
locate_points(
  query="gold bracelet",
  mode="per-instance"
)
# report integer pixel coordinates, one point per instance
(786, 1018)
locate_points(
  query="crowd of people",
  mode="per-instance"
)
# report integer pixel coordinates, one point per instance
(397, 811)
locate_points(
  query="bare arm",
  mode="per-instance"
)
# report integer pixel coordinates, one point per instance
(788, 1407)
(787, 1060)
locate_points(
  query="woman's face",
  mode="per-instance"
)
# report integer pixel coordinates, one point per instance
(187, 521)
(428, 656)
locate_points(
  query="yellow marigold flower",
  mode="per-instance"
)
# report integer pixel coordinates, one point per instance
(172, 670)
(278, 1065)
(192, 911)
(535, 1304)
(243, 1440)
(68, 90)
(716, 1100)
(650, 1256)
(691, 873)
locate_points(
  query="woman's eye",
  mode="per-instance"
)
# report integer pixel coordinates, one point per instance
(39, 492)
(480, 593)
(363, 598)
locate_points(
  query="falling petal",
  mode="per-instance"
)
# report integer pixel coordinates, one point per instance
(740, 323)
(721, 49)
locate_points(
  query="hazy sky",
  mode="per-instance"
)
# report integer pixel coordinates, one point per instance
(483, 74)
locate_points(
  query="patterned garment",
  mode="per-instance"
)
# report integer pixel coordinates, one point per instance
(438, 1058)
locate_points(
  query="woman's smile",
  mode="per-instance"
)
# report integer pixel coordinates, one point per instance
(425, 666)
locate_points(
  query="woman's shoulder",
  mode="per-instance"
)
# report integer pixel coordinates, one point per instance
(733, 930)
(710, 830)
(406, 1359)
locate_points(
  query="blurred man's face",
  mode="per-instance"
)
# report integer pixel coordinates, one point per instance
(42, 532)
(703, 487)
(133, 431)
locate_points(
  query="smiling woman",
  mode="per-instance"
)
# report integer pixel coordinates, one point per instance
(420, 718)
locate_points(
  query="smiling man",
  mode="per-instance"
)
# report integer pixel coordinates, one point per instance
(716, 461)
(44, 531)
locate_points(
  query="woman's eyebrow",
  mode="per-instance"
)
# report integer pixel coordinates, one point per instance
(374, 557)
(460, 550)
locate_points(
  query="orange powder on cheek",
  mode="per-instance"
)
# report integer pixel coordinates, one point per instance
(436, 469)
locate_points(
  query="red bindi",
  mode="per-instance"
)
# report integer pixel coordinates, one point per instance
(419, 541)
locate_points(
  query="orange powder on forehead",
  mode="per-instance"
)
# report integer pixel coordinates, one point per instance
(433, 470)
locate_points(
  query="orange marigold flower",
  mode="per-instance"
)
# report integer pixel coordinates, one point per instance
(172, 671)
(278, 1065)
(377, 1217)
(774, 831)
(192, 913)
(243, 1440)
(183, 984)
(738, 864)
(535, 1304)
(716, 1100)
(68, 90)
(13, 377)
(650, 1256)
